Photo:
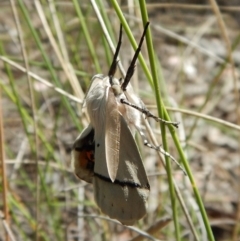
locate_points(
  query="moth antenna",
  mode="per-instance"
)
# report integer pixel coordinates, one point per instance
(113, 67)
(160, 149)
(146, 112)
(131, 68)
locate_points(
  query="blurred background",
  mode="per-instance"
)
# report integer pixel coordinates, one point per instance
(62, 44)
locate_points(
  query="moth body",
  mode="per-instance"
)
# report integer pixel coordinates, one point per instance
(120, 183)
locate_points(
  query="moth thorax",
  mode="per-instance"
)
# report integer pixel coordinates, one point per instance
(116, 89)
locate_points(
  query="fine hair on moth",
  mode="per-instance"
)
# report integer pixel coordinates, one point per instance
(105, 153)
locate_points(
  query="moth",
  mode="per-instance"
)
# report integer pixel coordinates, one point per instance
(105, 153)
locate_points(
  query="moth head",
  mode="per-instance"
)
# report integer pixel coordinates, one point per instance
(115, 84)
(116, 87)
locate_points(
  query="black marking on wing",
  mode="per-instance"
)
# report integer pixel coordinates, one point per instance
(123, 183)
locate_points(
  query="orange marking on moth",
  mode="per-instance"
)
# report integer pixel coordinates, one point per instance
(86, 159)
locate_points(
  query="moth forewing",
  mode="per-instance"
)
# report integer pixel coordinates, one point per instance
(112, 134)
(126, 198)
(96, 103)
(96, 80)
(132, 161)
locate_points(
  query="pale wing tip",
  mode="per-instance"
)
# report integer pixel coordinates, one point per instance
(112, 175)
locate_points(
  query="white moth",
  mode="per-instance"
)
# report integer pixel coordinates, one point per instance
(105, 153)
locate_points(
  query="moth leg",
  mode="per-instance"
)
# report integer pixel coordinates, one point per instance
(160, 149)
(146, 112)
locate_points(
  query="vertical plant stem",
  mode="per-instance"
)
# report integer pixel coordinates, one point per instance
(24, 54)
(3, 171)
(143, 9)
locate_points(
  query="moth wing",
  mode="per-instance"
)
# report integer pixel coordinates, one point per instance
(130, 158)
(112, 135)
(125, 199)
(83, 155)
(96, 80)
